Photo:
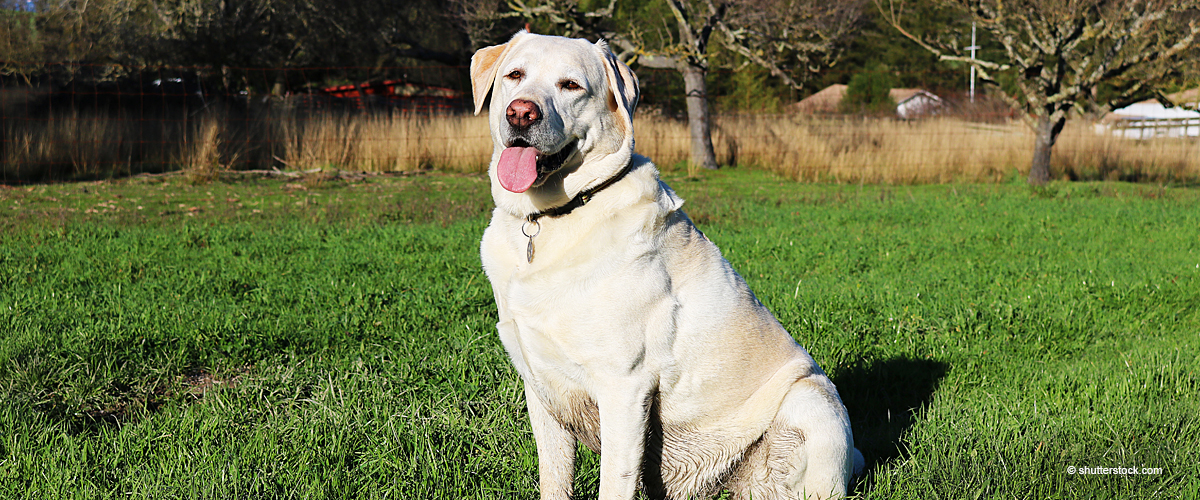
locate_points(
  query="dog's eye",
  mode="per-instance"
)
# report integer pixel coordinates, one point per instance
(516, 74)
(569, 85)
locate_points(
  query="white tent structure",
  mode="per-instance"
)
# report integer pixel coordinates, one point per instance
(1149, 120)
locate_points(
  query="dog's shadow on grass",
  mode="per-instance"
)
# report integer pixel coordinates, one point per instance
(883, 398)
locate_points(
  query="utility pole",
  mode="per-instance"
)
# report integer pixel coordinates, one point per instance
(972, 48)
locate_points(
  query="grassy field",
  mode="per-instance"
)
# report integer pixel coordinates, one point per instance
(332, 338)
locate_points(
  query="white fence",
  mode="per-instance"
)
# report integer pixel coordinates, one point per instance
(1151, 128)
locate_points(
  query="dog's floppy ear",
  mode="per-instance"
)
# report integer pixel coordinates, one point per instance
(484, 65)
(622, 86)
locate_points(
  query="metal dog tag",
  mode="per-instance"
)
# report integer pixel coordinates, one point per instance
(529, 247)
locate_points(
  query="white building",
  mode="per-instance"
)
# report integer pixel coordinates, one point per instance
(910, 103)
(915, 103)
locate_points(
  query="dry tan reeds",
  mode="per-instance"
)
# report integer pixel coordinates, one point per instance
(1081, 153)
(388, 143)
(866, 150)
(204, 157)
(70, 142)
(875, 151)
(872, 150)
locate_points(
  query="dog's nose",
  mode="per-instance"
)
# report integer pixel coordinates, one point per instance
(522, 113)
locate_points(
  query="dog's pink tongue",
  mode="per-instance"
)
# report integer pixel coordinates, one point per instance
(517, 168)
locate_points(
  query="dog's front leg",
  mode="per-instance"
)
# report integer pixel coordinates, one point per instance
(624, 418)
(555, 448)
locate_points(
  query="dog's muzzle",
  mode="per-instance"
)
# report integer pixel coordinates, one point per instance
(522, 165)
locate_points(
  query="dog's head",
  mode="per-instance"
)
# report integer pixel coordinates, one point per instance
(561, 117)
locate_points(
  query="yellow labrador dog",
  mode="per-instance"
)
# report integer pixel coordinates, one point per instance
(631, 332)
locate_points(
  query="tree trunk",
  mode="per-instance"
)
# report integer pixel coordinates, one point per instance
(698, 118)
(1048, 128)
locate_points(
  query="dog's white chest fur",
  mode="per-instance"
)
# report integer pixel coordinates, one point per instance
(594, 274)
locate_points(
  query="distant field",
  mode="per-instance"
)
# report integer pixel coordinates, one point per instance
(329, 338)
(836, 149)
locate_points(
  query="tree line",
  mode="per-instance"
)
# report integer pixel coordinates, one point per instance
(1046, 58)
(228, 37)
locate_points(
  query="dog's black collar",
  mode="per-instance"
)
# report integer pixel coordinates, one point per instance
(582, 198)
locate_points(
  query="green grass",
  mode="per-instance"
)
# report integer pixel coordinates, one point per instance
(334, 339)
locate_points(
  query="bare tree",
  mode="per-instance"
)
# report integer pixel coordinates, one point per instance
(790, 38)
(689, 56)
(1060, 55)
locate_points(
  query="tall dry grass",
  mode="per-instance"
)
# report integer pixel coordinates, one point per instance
(876, 151)
(68, 143)
(92, 145)
(382, 143)
(866, 150)
(1082, 154)
(205, 154)
(927, 151)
